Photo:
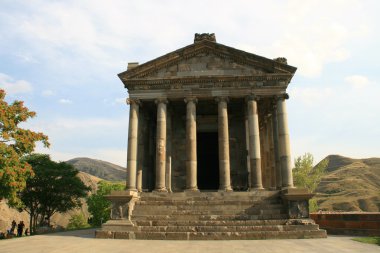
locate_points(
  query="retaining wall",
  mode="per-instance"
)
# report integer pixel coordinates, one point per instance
(349, 223)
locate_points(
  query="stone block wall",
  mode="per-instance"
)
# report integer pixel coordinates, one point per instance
(367, 224)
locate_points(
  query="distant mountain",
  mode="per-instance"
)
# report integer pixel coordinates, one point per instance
(98, 168)
(350, 185)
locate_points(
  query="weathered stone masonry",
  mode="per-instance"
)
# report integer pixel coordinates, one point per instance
(208, 149)
(208, 88)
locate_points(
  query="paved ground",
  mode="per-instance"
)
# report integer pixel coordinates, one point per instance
(83, 241)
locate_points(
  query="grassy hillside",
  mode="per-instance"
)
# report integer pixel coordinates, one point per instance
(100, 169)
(350, 185)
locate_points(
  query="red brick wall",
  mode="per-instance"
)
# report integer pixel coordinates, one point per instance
(348, 223)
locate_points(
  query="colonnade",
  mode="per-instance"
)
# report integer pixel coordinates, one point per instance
(280, 133)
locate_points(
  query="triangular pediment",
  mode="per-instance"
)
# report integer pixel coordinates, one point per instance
(207, 58)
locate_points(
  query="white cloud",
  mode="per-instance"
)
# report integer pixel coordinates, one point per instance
(97, 31)
(71, 123)
(26, 57)
(120, 101)
(65, 101)
(310, 96)
(357, 81)
(115, 156)
(47, 93)
(12, 86)
(98, 138)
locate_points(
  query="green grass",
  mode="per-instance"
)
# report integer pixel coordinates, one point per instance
(371, 240)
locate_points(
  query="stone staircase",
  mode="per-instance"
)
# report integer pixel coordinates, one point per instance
(213, 216)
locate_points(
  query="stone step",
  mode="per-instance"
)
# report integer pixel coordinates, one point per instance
(210, 222)
(211, 211)
(303, 234)
(144, 202)
(207, 207)
(176, 217)
(208, 198)
(224, 228)
(199, 196)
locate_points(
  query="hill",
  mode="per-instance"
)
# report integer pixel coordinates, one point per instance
(58, 220)
(100, 169)
(350, 185)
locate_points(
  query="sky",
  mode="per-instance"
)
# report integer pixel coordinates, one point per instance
(62, 58)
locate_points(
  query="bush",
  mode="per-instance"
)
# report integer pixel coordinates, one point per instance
(98, 206)
(308, 176)
(78, 221)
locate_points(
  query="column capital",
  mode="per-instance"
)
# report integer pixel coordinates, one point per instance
(161, 100)
(222, 99)
(252, 97)
(190, 99)
(130, 101)
(282, 96)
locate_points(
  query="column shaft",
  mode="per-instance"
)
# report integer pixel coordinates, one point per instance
(132, 144)
(271, 154)
(283, 132)
(141, 152)
(276, 149)
(191, 145)
(254, 145)
(169, 152)
(224, 146)
(161, 146)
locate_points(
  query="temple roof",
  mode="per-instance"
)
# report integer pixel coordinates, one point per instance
(206, 58)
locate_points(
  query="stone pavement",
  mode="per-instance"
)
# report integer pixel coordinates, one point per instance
(83, 241)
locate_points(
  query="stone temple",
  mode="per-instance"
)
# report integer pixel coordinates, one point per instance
(208, 149)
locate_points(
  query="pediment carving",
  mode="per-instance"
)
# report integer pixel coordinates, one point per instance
(206, 64)
(216, 60)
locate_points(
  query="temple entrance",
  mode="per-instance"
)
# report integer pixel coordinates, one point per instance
(208, 161)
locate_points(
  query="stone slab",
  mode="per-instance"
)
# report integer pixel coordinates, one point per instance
(83, 241)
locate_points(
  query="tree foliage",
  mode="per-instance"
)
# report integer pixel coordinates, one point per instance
(308, 176)
(77, 221)
(15, 142)
(305, 174)
(54, 187)
(98, 205)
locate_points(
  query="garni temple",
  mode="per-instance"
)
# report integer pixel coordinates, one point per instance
(209, 149)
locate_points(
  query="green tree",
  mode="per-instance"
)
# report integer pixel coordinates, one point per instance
(308, 176)
(55, 187)
(15, 142)
(77, 221)
(98, 205)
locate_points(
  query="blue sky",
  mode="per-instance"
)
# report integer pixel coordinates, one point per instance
(62, 58)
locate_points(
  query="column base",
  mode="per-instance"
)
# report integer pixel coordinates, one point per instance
(192, 190)
(131, 190)
(226, 190)
(288, 187)
(256, 189)
(160, 190)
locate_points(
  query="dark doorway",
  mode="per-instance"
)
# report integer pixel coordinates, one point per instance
(208, 161)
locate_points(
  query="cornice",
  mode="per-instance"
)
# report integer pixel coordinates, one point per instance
(211, 81)
(222, 51)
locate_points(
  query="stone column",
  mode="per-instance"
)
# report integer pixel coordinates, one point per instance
(248, 162)
(276, 148)
(283, 134)
(132, 143)
(141, 152)
(191, 145)
(224, 146)
(271, 154)
(168, 178)
(254, 143)
(161, 145)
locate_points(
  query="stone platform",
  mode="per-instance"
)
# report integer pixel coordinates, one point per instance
(209, 216)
